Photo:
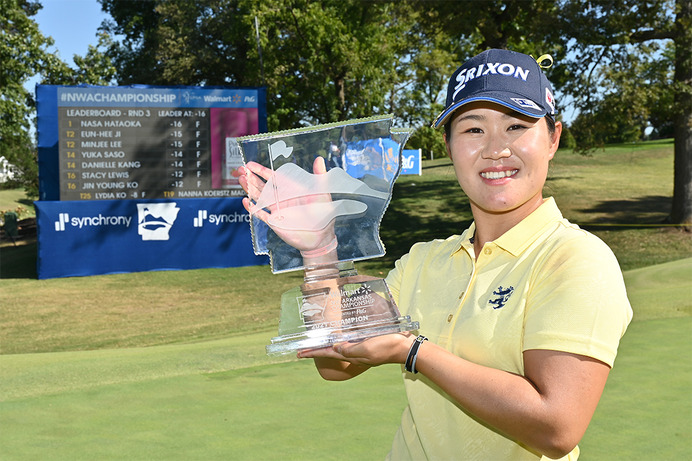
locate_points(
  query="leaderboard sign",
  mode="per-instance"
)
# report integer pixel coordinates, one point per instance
(140, 178)
(133, 143)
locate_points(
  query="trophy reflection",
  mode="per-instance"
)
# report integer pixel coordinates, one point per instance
(317, 197)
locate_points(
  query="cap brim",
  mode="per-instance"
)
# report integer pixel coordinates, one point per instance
(444, 116)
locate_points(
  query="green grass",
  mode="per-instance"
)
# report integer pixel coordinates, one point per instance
(15, 200)
(225, 399)
(662, 291)
(622, 194)
(208, 401)
(144, 309)
(171, 365)
(646, 409)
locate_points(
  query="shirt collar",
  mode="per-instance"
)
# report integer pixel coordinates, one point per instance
(518, 238)
(465, 241)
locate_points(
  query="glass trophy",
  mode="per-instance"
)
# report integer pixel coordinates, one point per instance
(295, 209)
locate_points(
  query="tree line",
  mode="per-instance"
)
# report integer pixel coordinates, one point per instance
(624, 67)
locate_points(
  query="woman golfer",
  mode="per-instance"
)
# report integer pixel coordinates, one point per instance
(520, 315)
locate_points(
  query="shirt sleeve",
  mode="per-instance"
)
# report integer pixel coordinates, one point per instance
(578, 302)
(393, 279)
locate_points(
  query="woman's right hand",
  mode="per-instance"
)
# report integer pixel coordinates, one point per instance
(312, 243)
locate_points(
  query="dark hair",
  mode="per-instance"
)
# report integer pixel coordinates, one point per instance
(448, 128)
(550, 121)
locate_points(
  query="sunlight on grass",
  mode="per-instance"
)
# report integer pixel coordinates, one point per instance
(610, 193)
(225, 399)
(171, 365)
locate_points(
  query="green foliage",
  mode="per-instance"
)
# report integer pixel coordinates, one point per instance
(24, 53)
(344, 54)
(20, 212)
(429, 140)
(623, 65)
(321, 61)
(325, 60)
(621, 76)
(659, 75)
(567, 140)
(96, 67)
(622, 109)
(182, 43)
(528, 27)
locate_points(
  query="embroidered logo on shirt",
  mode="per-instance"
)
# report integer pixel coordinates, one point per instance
(503, 295)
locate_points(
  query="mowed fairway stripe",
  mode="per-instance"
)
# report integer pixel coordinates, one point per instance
(225, 399)
(25, 375)
(279, 411)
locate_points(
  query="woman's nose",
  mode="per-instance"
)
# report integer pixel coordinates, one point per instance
(497, 149)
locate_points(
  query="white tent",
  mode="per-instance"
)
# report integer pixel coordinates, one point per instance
(7, 170)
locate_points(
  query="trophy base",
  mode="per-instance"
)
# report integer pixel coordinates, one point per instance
(325, 337)
(336, 307)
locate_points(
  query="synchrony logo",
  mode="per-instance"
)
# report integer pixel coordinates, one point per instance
(217, 219)
(63, 219)
(81, 222)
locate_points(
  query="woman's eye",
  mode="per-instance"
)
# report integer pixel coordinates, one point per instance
(516, 127)
(474, 130)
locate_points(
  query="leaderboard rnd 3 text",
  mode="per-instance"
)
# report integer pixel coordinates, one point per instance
(119, 154)
(134, 143)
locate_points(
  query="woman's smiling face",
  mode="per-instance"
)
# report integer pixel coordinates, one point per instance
(501, 157)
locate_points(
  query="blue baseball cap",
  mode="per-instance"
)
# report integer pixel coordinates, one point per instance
(505, 77)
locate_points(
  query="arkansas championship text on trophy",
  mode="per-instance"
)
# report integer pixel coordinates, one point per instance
(328, 183)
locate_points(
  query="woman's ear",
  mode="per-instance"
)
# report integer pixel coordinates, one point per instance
(555, 140)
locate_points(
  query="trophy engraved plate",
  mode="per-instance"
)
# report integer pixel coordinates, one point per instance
(317, 197)
(323, 312)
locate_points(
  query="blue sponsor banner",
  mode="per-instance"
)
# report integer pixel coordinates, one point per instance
(80, 238)
(377, 157)
(411, 162)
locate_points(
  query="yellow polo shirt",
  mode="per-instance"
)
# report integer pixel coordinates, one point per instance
(544, 284)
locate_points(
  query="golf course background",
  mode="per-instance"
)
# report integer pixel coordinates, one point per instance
(171, 365)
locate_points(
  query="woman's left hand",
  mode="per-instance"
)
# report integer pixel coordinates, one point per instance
(378, 350)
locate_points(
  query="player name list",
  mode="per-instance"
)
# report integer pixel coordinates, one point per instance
(134, 153)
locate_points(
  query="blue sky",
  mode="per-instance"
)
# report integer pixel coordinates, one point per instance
(72, 24)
